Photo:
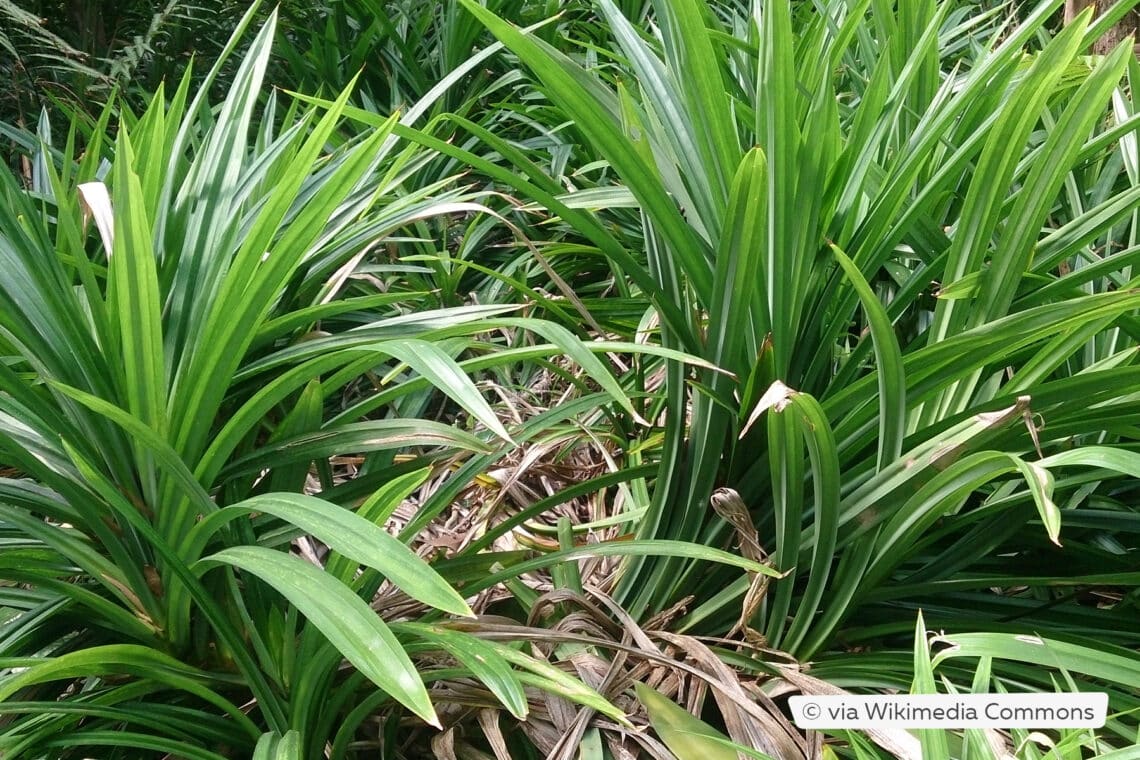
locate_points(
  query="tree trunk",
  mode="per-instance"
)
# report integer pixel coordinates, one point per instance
(1127, 26)
(1073, 7)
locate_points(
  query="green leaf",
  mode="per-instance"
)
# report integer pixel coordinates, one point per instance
(143, 662)
(825, 468)
(1040, 482)
(933, 741)
(966, 286)
(350, 535)
(442, 372)
(888, 358)
(736, 317)
(135, 303)
(540, 674)
(345, 619)
(1115, 665)
(597, 114)
(786, 463)
(778, 135)
(374, 435)
(663, 548)
(686, 736)
(274, 746)
(583, 354)
(482, 659)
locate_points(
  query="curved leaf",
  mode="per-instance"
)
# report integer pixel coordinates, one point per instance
(482, 659)
(351, 535)
(345, 619)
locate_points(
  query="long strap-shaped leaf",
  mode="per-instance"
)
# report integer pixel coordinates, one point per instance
(348, 534)
(345, 619)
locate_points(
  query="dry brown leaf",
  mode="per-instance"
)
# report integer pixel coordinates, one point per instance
(489, 722)
(443, 745)
(761, 726)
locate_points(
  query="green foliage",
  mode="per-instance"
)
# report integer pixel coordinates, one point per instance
(803, 177)
(71, 56)
(167, 377)
(838, 297)
(687, 737)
